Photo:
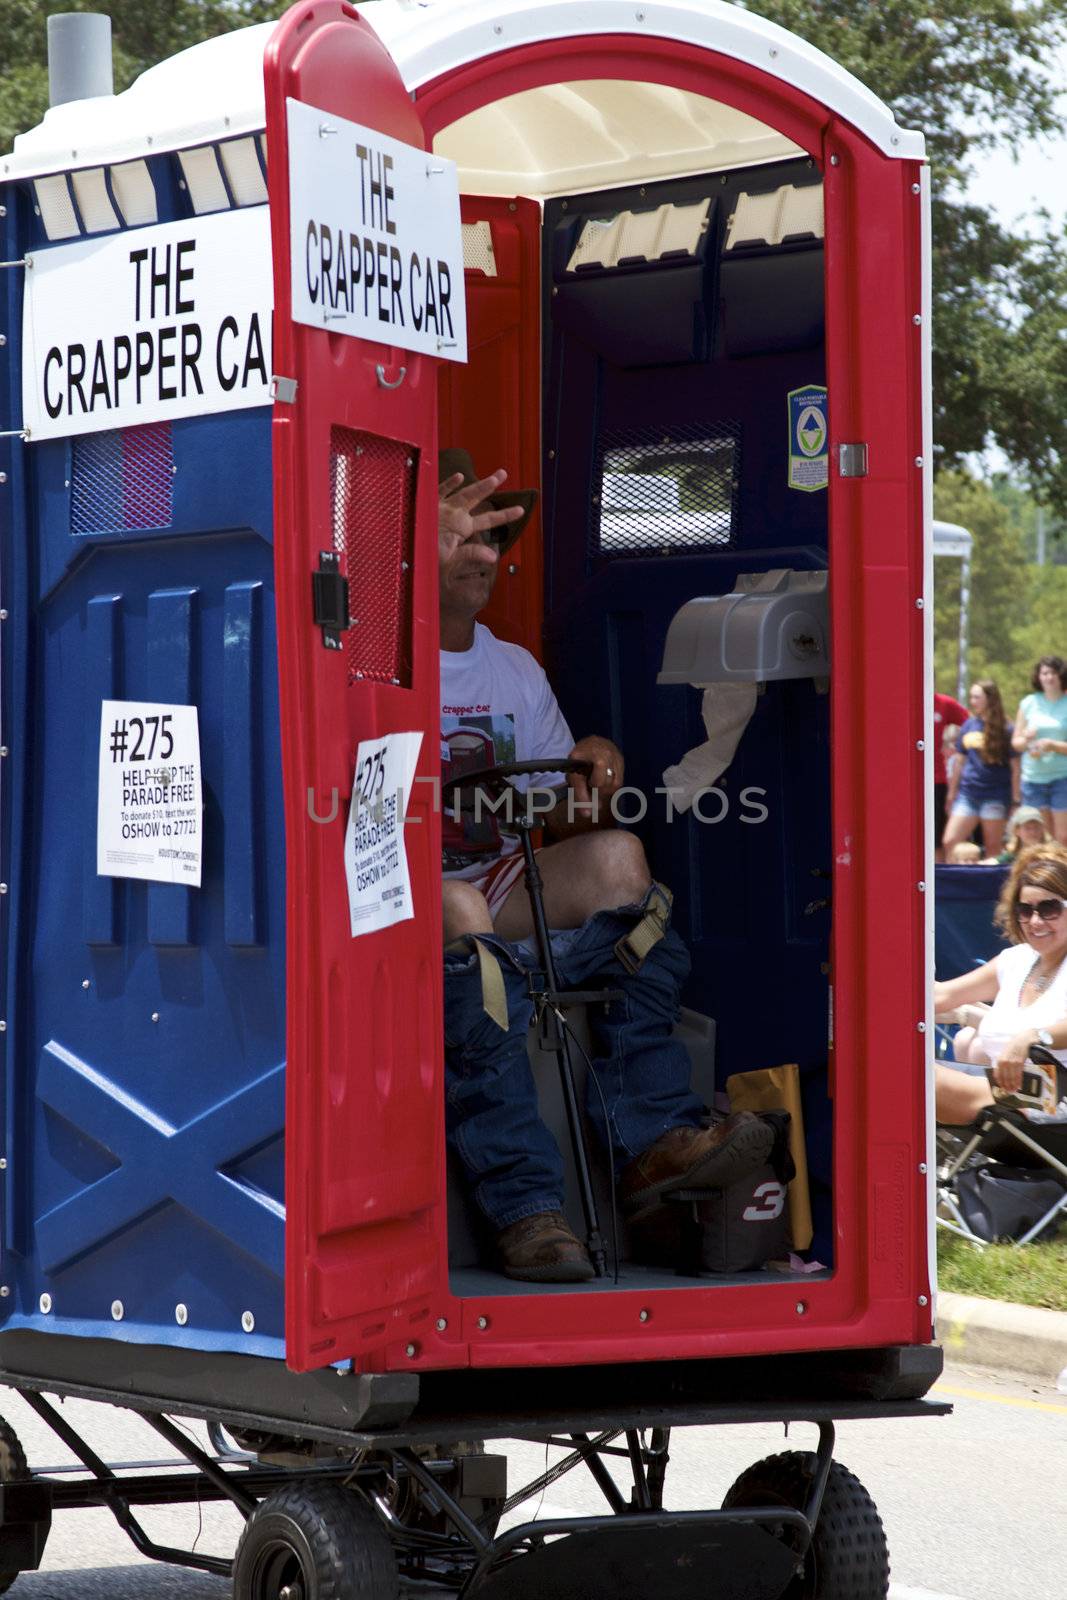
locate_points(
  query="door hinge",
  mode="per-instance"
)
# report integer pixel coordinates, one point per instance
(852, 460)
(329, 600)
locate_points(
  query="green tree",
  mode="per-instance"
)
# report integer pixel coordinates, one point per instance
(972, 75)
(143, 34)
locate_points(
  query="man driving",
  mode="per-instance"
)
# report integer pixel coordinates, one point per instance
(610, 922)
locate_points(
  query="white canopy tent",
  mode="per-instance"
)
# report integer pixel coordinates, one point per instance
(952, 540)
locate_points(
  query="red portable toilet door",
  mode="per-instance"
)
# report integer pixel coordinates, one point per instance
(354, 444)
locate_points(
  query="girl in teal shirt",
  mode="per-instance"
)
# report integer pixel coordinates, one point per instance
(1041, 735)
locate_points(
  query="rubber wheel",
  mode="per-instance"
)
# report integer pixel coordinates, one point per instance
(314, 1541)
(13, 1466)
(848, 1558)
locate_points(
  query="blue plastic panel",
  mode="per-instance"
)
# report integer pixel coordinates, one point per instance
(144, 1070)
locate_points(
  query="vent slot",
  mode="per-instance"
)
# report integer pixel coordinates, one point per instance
(122, 481)
(667, 492)
(372, 489)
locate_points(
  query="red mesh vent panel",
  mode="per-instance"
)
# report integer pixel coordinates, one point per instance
(372, 484)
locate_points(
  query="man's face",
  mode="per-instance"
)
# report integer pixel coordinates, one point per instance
(468, 575)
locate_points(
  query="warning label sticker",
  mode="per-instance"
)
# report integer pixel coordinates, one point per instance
(149, 819)
(809, 438)
(376, 862)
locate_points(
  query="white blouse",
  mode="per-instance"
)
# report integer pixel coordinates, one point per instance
(1006, 1017)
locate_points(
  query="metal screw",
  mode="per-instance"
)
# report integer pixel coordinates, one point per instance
(921, 886)
(922, 1167)
(920, 603)
(498, 29)
(920, 744)
(801, 1307)
(4, 1291)
(552, 455)
(512, 569)
(85, 983)
(441, 1324)
(483, 1322)
(3, 477)
(3, 209)
(918, 461)
(3, 616)
(923, 1301)
(155, 1016)
(118, 1310)
(411, 1349)
(45, 1303)
(3, 888)
(181, 1315)
(917, 319)
(643, 1316)
(3, 339)
(916, 188)
(3, 1163)
(3, 1027)
(921, 1026)
(773, 54)
(248, 1322)
(835, 161)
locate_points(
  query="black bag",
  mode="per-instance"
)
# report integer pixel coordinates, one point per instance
(701, 1231)
(1001, 1202)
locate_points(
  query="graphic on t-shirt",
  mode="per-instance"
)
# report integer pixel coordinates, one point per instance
(467, 743)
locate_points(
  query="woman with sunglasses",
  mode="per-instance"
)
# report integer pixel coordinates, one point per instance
(1015, 1001)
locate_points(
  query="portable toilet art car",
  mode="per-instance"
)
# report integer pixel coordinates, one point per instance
(669, 266)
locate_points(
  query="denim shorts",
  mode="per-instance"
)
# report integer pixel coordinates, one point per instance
(1049, 796)
(988, 810)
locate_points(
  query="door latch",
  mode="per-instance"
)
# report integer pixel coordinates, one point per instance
(329, 600)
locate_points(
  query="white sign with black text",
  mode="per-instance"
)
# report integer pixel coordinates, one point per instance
(141, 326)
(376, 862)
(150, 816)
(376, 245)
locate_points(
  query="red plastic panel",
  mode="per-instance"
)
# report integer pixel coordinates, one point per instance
(492, 406)
(372, 481)
(365, 1232)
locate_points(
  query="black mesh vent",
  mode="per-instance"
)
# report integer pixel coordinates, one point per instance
(667, 491)
(122, 480)
(372, 482)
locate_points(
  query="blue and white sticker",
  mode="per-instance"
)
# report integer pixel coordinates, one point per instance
(809, 438)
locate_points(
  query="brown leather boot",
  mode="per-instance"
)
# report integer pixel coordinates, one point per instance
(697, 1158)
(543, 1249)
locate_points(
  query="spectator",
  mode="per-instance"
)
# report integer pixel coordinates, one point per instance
(1026, 827)
(948, 713)
(1041, 735)
(965, 854)
(990, 773)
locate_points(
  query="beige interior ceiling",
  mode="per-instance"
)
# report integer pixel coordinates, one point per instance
(566, 138)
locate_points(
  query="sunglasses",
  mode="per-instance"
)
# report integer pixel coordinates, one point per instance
(1047, 910)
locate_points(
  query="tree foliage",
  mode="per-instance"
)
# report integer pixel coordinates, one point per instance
(143, 32)
(972, 74)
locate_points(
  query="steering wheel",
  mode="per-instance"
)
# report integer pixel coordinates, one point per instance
(494, 781)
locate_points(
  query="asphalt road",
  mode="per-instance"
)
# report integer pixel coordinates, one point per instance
(973, 1504)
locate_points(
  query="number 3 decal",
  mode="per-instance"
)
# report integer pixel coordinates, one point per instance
(771, 1203)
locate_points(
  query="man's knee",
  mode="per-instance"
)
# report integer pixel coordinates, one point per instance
(464, 910)
(615, 872)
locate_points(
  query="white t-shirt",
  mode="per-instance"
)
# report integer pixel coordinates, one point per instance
(1006, 1017)
(496, 706)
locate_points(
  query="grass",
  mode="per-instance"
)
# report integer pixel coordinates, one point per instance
(1031, 1275)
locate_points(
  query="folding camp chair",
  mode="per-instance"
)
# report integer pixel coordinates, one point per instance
(1006, 1139)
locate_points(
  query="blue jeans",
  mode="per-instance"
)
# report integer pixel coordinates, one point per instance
(510, 1158)
(1051, 796)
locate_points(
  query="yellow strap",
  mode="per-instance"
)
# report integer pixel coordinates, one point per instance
(634, 946)
(494, 995)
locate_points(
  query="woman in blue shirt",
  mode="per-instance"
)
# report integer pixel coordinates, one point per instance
(989, 771)
(1041, 735)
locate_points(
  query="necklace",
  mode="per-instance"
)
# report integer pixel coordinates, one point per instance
(1039, 980)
